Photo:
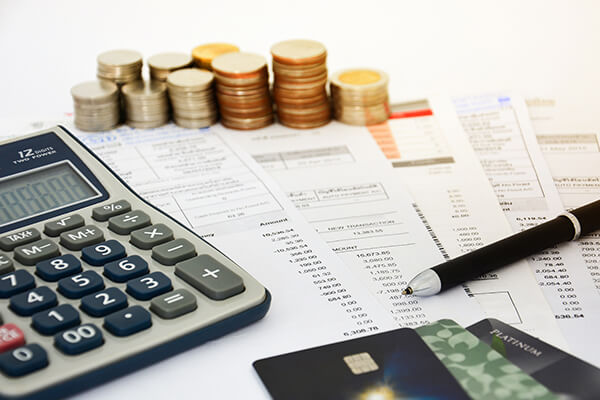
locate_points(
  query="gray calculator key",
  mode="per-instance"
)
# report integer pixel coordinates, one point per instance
(103, 213)
(32, 253)
(9, 242)
(147, 238)
(172, 252)
(6, 264)
(79, 238)
(128, 222)
(173, 304)
(55, 228)
(210, 277)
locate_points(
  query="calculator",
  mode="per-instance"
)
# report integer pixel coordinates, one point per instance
(94, 281)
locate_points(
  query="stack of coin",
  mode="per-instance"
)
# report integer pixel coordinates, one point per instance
(299, 90)
(120, 66)
(96, 105)
(146, 104)
(204, 54)
(164, 63)
(360, 96)
(243, 90)
(192, 97)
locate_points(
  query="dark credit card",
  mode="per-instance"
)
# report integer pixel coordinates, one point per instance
(560, 372)
(390, 365)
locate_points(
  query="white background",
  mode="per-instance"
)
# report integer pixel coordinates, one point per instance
(458, 47)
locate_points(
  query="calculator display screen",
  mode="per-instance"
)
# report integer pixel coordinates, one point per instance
(41, 190)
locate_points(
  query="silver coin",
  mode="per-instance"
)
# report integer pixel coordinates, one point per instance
(95, 92)
(190, 79)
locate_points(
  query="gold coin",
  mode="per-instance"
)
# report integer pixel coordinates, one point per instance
(360, 77)
(204, 54)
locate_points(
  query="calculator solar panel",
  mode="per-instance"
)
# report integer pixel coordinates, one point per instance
(94, 281)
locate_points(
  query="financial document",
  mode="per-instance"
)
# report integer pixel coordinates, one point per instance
(363, 214)
(450, 191)
(568, 133)
(570, 142)
(499, 131)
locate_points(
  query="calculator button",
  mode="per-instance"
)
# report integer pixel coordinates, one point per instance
(24, 360)
(57, 268)
(6, 264)
(210, 277)
(79, 340)
(173, 304)
(172, 252)
(9, 242)
(104, 302)
(103, 253)
(126, 223)
(126, 269)
(79, 238)
(55, 319)
(10, 337)
(15, 282)
(55, 228)
(103, 213)
(149, 286)
(32, 253)
(147, 238)
(35, 300)
(77, 286)
(128, 321)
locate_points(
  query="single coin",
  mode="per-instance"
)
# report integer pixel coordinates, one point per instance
(119, 58)
(191, 78)
(235, 64)
(359, 79)
(298, 51)
(206, 53)
(170, 61)
(95, 92)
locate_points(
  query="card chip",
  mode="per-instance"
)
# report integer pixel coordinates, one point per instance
(361, 363)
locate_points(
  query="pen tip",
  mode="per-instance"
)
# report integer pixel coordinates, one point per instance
(407, 291)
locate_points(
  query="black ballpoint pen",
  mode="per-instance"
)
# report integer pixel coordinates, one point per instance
(567, 226)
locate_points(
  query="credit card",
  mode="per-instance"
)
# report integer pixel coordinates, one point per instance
(482, 372)
(391, 365)
(564, 374)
